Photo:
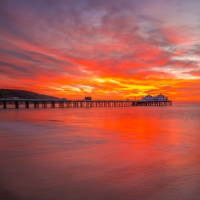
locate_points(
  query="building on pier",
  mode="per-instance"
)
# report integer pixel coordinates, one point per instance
(88, 98)
(63, 99)
(159, 97)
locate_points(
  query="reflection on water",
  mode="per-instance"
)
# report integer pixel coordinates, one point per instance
(100, 153)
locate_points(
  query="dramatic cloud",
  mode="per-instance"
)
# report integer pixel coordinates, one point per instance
(103, 48)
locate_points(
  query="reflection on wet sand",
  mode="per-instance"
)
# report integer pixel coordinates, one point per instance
(146, 153)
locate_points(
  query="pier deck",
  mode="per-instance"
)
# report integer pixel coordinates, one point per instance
(49, 103)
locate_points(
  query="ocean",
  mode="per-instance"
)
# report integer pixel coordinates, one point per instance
(121, 153)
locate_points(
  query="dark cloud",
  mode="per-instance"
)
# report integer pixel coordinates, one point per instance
(76, 40)
(14, 67)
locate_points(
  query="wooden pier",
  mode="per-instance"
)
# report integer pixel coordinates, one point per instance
(49, 103)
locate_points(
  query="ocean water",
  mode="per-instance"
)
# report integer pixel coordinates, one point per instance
(130, 153)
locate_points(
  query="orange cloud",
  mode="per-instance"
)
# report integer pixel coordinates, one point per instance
(114, 53)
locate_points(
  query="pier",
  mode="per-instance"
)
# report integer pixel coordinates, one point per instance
(52, 103)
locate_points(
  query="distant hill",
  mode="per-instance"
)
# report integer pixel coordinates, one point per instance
(23, 94)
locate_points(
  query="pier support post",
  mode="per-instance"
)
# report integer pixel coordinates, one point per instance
(61, 104)
(26, 104)
(16, 104)
(36, 104)
(44, 104)
(4, 104)
(53, 104)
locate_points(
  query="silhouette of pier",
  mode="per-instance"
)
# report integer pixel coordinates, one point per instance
(52, 103)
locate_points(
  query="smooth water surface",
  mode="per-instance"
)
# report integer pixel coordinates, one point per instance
(100, 153)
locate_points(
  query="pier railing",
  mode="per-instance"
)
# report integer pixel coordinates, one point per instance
(53, 103)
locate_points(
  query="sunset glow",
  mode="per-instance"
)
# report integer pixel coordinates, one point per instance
(101, 48)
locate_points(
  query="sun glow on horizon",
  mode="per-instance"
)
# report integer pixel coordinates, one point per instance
(106, 50)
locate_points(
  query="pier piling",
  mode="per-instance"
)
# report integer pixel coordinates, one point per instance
(4, 104)
(26, 104)
(16, 104)
(81, 103)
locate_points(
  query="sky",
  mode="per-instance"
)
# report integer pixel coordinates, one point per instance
(105, 49)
